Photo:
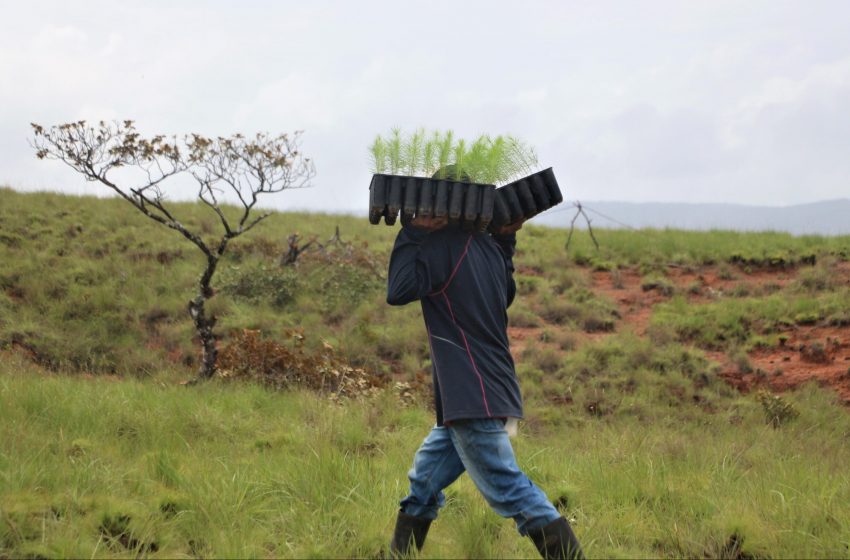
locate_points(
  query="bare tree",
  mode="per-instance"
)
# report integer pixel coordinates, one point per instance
(237, 167)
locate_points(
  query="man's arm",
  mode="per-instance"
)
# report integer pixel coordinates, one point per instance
(505, 238)
(410, 275)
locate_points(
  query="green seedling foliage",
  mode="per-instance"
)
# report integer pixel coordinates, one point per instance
(394, 151)
(413, 151)
(521, 158)
(497, 167)
(378, 151)
(430, 153)
(476, 162)
(460, 163)
(483, 160)
(444, 151)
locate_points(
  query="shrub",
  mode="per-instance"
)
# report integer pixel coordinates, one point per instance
(724, 272)
(807, 317)
(694, 288)
(741, 290)
(661, 334)
(597, 319)
(559, 311)
(817, 279)
(251, 357)
(343, 286)
(547, 360)
(777, 410)
(840, 318)
(567, 279)
(260, 282)
(815, 353)
(526, 285)
(658, 283)
(521, 317)
(741, 360)
(565, 340)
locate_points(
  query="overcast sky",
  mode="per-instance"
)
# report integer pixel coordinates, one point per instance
(685, 101)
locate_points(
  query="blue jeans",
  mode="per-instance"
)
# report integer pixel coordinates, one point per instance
(481, 448)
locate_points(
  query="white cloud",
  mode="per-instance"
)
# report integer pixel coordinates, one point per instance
(662, 100)
(297, 100)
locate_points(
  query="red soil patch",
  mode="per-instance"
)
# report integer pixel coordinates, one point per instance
(808, 353)
(819, 354)
(624, 288)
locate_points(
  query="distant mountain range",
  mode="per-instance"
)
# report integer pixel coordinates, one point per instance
(830, 217)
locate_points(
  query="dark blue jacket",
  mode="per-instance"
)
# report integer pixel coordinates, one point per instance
(465, 284)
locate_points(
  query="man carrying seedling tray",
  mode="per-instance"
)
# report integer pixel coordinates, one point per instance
(464, 281)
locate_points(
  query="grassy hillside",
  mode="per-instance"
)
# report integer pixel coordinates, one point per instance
(93, 467)
(649, 369)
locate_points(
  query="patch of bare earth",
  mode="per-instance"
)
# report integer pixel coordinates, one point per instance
(807, 353)
(624, 288)
(819, 354)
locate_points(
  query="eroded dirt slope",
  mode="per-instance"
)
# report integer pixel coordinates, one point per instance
(818, 351)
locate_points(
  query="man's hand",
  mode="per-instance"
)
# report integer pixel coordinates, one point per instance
(510, 228)
(429, 223)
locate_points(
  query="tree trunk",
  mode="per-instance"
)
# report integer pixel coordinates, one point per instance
(203, 324)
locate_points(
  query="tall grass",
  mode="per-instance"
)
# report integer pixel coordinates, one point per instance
(737, 321)
(648, 247)
(637, 440)
(89, 285)
(102, 468)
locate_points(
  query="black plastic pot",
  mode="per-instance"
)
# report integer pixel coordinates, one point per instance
(525, 198)
(468, 205)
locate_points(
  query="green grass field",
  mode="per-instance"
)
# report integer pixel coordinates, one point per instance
(103, 453)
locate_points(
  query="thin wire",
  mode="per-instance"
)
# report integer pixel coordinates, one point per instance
(575, 205)
(600, 214)
(555, 211)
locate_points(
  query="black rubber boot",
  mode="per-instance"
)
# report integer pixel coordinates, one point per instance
(557, 541)
(409, 535)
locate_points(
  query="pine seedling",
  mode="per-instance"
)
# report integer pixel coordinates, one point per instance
(498, 168)
(413, 147)
(484, 160)
(444, 152)
(460, 163)
(521, 157)
(429, 154)
(378, 151)
(394, 151)
(477, 164)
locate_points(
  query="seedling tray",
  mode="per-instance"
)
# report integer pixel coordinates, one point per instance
(525, 198)
(469, 205)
